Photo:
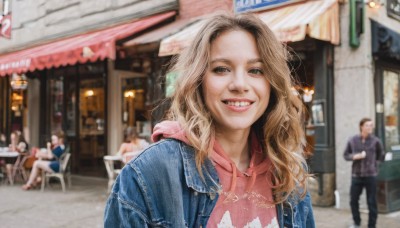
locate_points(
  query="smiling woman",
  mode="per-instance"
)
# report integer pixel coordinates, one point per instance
(231, 152)
(235, 89)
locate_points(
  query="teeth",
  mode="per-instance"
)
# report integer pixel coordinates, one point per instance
(238, 103)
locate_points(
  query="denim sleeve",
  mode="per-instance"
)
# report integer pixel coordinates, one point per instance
(125, 205)
(305, 212)
(310, 222)
(119, 214)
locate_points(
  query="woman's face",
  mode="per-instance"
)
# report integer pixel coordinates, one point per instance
(54, 140)
(13, 137)
(235, 87)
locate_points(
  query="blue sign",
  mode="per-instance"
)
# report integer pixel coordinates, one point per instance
(256, 5)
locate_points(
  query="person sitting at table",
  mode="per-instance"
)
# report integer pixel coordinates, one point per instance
(133, 146)
(18, 144)
(47, 160)
(3, 142)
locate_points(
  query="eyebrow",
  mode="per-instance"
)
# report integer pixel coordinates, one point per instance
(251, 61)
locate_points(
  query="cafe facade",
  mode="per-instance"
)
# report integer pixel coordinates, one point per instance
(78, 80)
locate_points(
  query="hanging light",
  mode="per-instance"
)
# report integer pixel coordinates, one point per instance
(19, 81)
(374, 4)
(129, 94)
(89, 93)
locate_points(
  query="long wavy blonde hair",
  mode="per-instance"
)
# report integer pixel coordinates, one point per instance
(279, 129)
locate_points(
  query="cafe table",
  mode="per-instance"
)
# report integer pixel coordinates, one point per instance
(10, 158)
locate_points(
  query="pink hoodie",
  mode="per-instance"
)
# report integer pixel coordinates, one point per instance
(246, 199)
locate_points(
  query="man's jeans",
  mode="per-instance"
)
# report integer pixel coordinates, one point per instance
(357, 185)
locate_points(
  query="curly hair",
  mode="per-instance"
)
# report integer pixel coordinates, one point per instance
(279, 129)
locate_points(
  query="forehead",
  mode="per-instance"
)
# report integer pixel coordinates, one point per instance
(228, 43)
(368, 123)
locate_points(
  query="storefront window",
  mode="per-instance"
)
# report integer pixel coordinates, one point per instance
(91, 124)
(134, 113)
(91, 107)
(391, 107)
(56, 104)
(70, 125)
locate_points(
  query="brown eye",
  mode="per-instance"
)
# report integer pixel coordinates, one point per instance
(256, 71)
(220, 70)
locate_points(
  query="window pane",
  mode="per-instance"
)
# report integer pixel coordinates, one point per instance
(56, 105)
(391, 106)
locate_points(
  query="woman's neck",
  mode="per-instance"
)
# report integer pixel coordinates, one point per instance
(236, 146)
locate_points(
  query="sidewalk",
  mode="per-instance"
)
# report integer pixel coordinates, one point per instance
(329, 217)
(83, 206)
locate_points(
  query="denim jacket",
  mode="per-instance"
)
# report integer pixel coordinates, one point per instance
(163, 188)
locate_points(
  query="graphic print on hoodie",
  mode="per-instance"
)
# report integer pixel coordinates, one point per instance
(246, 199)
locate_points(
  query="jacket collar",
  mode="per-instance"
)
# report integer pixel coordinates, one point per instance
(210, 183)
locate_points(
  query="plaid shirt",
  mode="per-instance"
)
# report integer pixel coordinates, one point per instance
(374, 150)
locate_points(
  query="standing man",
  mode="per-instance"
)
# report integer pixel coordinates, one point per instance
(365, 150)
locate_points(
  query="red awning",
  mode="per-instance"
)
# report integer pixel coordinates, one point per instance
(91, 47)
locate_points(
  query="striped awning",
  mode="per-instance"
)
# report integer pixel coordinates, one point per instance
(175, 43)
(88, 47)
(318, 19)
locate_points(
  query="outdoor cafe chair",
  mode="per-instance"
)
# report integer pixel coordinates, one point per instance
(19, 169)
(60, 175)
(111, 171)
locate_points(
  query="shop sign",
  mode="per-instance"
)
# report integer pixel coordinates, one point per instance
(5, 29)
(393, 9)
(257, 5)
(385, 42)
(23, 63)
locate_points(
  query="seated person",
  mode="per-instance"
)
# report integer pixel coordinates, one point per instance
(133, 147)
(18, 144)
(3, 142)
(51, 163)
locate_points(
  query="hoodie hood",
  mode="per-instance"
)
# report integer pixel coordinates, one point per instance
(169, 129)
(258, 163)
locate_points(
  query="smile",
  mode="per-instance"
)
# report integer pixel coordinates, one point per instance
(237, 103)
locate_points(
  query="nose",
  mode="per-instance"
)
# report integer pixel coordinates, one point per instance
(239, 82)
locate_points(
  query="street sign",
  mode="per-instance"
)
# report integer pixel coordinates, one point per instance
(257, 5)
(5, 29)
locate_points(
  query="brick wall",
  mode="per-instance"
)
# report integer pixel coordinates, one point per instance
(194, 8)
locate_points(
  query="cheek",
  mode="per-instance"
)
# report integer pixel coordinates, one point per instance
(264, 91)
(210, 91)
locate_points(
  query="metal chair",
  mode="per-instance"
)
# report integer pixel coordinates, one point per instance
(60, 175)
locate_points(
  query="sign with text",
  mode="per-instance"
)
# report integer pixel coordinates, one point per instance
(5, 29)
(257, 5)
(393, 9)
